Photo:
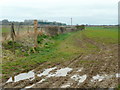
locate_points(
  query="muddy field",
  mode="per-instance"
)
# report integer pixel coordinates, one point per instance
(98, 69)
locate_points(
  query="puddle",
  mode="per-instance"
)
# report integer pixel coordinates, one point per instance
(21, 76)
(35, 84)
(79, 78)
(100, 78)
(66, 85)
(29, 86)
(61, 72)
(31, 75)
(97, 77)
(46, 72)
(79, 70)
(41, 81)
(118, 75)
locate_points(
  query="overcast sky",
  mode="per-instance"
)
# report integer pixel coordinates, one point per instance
(82, 11)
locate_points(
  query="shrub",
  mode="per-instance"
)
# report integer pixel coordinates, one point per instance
(80, 27)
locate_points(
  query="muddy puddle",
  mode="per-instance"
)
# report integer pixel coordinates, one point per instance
(35, 84)
(46, 72)
(79, 70)
(62, 72)
(79, 79)
(31, 74)
(22, 76)
(118, 75)
(97, 78)
(66, 85)
(102, 77)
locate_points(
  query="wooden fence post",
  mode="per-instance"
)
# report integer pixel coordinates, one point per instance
(35, 32)
(13, 37)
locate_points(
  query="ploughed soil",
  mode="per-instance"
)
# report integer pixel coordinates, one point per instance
(98, 69)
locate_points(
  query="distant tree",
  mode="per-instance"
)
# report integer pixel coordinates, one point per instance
(5, 22)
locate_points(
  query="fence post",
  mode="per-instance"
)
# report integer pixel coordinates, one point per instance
(13, 37)
(35, 32)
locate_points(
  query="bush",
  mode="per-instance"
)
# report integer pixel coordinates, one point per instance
(80, 27)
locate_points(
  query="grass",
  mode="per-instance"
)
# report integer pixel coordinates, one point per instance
(59, 48)
(5, 30)
(103, 35)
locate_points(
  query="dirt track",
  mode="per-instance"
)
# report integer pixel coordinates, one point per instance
(102, 65)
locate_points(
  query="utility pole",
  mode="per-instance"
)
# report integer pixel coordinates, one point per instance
(71, 21)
